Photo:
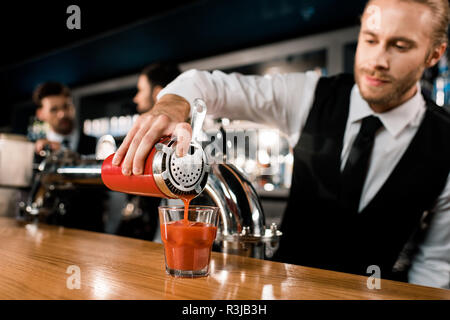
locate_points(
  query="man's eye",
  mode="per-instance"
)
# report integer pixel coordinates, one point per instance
(400, 47)
(369, 41)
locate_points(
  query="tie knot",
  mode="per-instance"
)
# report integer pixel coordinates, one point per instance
(370, 125)
(66, 143)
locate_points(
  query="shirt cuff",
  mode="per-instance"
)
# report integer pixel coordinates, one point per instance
(183, 86)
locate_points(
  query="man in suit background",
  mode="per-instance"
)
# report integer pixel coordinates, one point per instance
(56, 109)
(83, 208)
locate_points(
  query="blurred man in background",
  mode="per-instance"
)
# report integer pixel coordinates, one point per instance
(143, 211)
(56, 109)
(82, 208)
(152, 80)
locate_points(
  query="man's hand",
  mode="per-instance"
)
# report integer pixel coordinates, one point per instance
(167, 117)
(41, 143)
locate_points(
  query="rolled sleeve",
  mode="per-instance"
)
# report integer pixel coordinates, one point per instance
(281, 100)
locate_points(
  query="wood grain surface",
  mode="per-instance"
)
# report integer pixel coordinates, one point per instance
(35, 259)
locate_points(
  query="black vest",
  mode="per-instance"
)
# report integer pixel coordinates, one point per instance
(317, 232)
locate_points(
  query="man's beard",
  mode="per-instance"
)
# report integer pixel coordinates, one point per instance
(394, 91)
(65, 129)
(151, 105)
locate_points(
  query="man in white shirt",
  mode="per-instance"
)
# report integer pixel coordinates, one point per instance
(84, 208)
(55, 107)
(370, 157)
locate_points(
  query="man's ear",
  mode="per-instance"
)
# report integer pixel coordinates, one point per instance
(155, 92)
(435, 55)
(40, 114)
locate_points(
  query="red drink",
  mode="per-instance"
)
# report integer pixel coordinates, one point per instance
(188, 234)
(187, 245)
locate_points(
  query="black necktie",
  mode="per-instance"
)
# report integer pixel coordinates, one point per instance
(354, 173)
(66, 143)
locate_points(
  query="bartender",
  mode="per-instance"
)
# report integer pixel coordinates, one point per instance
(371, 156)
(84, 208)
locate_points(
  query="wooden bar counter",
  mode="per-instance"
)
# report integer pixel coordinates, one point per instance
(36, 260)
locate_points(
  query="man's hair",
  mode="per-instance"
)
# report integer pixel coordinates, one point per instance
(161, 73)
(49, 89)
(440, 12)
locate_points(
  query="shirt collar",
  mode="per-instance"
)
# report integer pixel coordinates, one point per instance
(54, 136)
(394, 120)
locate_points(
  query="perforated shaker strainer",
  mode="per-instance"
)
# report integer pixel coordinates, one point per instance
(187, 175)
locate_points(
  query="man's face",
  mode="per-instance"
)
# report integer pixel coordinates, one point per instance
(393, 45)
(144, 97)
(59, 112)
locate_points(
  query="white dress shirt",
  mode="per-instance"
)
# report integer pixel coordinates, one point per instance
(284, 101)
(73, 138)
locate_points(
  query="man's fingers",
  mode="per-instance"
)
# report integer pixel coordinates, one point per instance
(41, 143)
(127, 163)
(183, 134)
(121, 152)
(147, 130)
(157, 131)
(142, 152)
(55, 145)
(39, 146)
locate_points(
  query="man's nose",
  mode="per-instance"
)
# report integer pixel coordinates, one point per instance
(380, 59)
(135, 99)
(62, 114)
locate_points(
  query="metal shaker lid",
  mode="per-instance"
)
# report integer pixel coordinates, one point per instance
(180, 176)
(187, 175)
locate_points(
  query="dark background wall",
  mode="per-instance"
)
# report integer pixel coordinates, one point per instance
(119, 38)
